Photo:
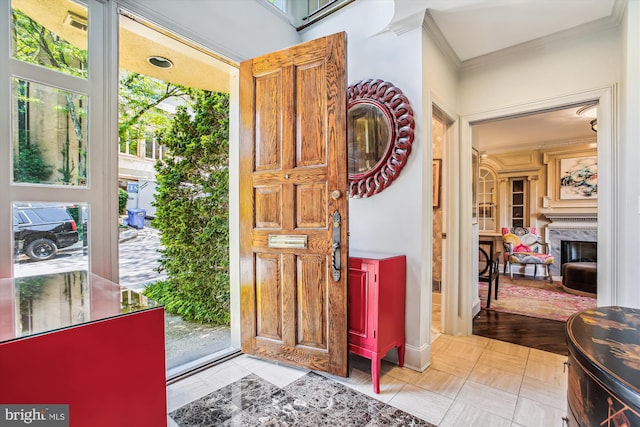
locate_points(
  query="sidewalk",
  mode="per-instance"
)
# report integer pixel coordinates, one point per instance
(139, 257)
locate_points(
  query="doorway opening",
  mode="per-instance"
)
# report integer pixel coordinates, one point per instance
(167, 85)
(439, 125)
(532, 175)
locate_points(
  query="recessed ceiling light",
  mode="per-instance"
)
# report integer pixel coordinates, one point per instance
(160, 62)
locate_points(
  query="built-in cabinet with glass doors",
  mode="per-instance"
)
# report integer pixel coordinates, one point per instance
(490, 218)
(519, 208)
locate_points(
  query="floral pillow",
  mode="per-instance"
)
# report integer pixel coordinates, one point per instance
(529, 239)
(521, 248)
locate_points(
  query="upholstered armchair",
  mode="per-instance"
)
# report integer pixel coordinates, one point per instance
(522, 246)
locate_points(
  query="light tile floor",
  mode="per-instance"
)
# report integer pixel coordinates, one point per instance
(472, 381)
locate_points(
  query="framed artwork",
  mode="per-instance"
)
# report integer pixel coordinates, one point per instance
(572, 178)
(437, 165)
(579, 178)
(475, 171)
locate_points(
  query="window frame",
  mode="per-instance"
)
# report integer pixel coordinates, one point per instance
(100, 87)
(482, 192)
(299, 15)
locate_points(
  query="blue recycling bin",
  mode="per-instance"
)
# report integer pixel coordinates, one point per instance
(135, 217)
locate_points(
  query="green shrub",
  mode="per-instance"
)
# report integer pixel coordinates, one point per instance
(29, 166)
(192, 212)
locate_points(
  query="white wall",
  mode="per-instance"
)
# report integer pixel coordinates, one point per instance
(391, 221)
(440, 88)
(549, 70)
(629, 145)
(236, 29)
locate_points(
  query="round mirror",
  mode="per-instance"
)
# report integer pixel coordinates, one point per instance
(368, 133)
(379, 134)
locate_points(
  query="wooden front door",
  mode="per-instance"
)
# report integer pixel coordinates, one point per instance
(293, 205)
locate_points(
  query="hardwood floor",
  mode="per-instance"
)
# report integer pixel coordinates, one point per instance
(542, 334)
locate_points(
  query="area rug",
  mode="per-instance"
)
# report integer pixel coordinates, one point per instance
(312, 400)
(536, 302)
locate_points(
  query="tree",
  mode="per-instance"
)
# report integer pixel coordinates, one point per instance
(140, 98)
(28, 165)
(193, 211)
(35, 44)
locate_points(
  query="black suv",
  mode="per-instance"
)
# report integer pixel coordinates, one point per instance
(40, 230)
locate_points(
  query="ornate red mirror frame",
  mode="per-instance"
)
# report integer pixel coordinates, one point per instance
(396, 108)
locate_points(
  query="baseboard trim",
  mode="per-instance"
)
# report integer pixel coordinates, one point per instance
(476, 308)
(417, 358)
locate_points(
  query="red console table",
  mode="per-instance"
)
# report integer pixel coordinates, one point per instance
(376, 308)
(65, 340)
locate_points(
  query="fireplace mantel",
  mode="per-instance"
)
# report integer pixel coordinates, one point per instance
(584, 220)
(570, 216)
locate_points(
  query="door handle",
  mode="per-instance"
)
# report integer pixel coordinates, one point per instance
(335, 247)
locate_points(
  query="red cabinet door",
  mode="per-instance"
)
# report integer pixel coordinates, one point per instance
(376, 308)
(361, 302)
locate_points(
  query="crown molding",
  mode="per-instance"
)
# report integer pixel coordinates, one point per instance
(588, 28)
(432, 29)
(548, 145)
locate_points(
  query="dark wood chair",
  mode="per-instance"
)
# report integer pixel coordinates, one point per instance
(488, 262)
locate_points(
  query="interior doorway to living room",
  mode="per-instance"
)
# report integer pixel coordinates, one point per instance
(539, 171)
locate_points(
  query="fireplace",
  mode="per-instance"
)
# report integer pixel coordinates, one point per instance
(581, 228)
(577, 251)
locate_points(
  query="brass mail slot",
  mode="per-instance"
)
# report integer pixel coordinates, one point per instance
(287, 241)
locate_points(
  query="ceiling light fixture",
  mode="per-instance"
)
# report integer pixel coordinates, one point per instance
(160, 62)
(590, 112)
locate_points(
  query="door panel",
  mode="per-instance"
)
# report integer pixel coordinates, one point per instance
(269, 118)
(358, 292)
(310, 205)
(268, 296)
(268, 202)
(293, 158)
(310, 116)
(312, 301)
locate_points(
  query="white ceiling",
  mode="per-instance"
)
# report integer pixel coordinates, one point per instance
(477, 27)
(547, 129)
(474, 28)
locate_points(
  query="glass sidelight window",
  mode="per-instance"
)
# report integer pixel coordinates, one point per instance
(50, 237)
(51, 34)
(57, 94)
(50, 141)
